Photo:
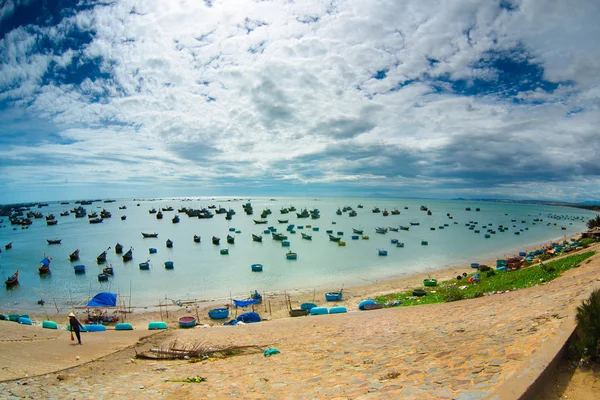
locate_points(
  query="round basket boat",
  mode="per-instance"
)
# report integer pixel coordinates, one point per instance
(218, 313)
(307, 306)
(49, 325)
(187, 321)
(333, 296)
(257, 267)
(123, 327)
(430, 282)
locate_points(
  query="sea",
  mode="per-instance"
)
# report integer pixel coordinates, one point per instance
(201, 272)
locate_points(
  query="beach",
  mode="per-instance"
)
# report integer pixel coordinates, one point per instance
(467, 349)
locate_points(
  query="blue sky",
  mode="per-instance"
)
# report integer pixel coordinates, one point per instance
(440, 99)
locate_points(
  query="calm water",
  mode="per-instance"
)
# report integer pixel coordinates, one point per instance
(201, 272)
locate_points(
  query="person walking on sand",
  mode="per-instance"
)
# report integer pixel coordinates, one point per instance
(75, 326)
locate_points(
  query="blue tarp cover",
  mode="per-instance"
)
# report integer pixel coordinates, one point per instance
(45, 261)
(103, 299)
(245, 303)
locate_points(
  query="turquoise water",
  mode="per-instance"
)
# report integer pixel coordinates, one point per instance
(201, 272)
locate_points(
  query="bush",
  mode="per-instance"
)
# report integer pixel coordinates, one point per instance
(453, 294)
(586, 340)
(490, 273)
(547, 268)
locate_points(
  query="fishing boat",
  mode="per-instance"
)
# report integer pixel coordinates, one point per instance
(382, 252)
(357, 231)
(376, 210)
(79, 269)
(13, 279)
(224, 251)
(8, 246)
(123, 217)
(386, 213)
(303, 214)
(230, 239)
(108, 270)
(290, 255)
(395, 211)
(74, 256)
(256, 238)
(278, 236)
(95, 220)
(102, 277)
(352, 213)
(215, 240)
(119, 248)
(129, 255)
(102, 257)
(169, 243)
(415, 223)
(306, 236)
(187, 321)
(45, 267)
(283, 221)
(123, 208)
(169, 208)
(149, 235)
(159, 215)
(175, 219)
(169, 265)
(145, 265)
(256, 267)
(381, 230)
(53, 241)
(334, 238)
(218, 313)
(333, 296)
(260, 221)
(393, 229)
(52, 222)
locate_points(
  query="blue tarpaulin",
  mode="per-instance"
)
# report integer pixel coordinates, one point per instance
(103, 299)
(245, 303)
(45, 261)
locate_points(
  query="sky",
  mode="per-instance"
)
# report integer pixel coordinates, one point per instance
(404, 98)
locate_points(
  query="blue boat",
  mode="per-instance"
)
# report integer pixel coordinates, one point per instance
(290, 255)
(256, 267)
(169, 264)
(307, 306)
(102, 277)
(145, 265)
(355, 237)
(79, 269)
(333, 296)
(382, 252)
(152, 250)
(306, 236)
(285, 243)
(218, 313)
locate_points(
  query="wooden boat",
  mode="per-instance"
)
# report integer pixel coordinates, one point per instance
(290, 255)
(152, 211)
(376, 210)
(169, 208)
(430, 282)
(395, 211)
(13, 279)
(256, 238)
(352, 213)
(415, 223)
(119, 248)
(381, 230)
(196, 239)
(123, 208)
(102, 257)
(145, 265)
(8, 246)
(260, 221)
(333, 296)
(53, 241)
(102, 277)
(187, 321)
(44, 268)
(230, 239)
(372, 306)
(123, 217)
(74, 256)
(79, 269)
(159, 215)
(382, 252)
(386, 213)
(175, 219)
(169, 265)
(256, 267)
(218, 313)
(298, 312)
(169, 243)
(149, 235)
(224, 251)
(108, 270)
(357, 231)
(216, 240)
(93, 215)
(393, 229)
(424, 242)
(278, 236)
(52, 222)
(95, 220)
(283, 221)
(129, 255)
(306, 236)
(334, 238)
(303, 214)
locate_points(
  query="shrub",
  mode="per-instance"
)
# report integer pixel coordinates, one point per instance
(490, 273)
(594, 222)
(547, 268)
(453, 294)
(586, 341)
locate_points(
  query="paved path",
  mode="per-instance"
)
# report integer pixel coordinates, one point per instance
(462, 350)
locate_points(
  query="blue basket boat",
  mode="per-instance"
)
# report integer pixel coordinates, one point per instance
(152, 250)
(218, 313)
(169, 264)
(257, 267)
(187, 321)
(333, 296)
(307, 306)
(79, 269)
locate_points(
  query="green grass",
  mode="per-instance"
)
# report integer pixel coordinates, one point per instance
(493, 281)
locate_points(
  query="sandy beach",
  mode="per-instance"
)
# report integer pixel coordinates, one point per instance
(468, 349)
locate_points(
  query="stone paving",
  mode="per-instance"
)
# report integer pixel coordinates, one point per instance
(464, 350)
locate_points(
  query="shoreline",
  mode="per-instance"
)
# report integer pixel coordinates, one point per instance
(274, 305)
